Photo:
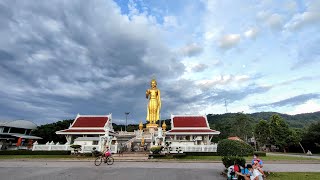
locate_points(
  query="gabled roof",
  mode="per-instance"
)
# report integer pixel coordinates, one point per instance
(90, 121)
(89, 124)
(190, 124)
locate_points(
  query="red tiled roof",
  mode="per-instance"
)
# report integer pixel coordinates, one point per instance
(235, 138)
(187, 121)
(90, 122)
(83, 130)
(191, 130)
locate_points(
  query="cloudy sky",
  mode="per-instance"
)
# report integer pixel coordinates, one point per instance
(61, 58)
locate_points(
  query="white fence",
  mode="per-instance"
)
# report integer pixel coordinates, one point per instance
(194, 148)
(66, 147)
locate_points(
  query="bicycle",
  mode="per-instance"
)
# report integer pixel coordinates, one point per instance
(109, 160)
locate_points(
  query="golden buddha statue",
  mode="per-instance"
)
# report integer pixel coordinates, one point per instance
(154, 106)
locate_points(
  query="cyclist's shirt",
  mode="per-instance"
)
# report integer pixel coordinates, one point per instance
(107, 153)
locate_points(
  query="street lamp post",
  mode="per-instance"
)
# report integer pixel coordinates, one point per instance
(126, 113)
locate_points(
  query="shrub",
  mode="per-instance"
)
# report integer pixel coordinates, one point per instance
(230, 160)
(156, 149)
(24, 152)
(260, 153)
(228, 147)
(75, 146)
(201, 153)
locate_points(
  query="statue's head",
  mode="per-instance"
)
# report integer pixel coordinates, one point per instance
(153, 83)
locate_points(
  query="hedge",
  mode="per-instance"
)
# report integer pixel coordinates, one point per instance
(260, 153)
(27, 152)
(156, 149)
(201, 153)
(231, 160)
(228, 147)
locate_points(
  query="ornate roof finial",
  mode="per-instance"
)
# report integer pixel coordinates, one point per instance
(140, 125)
(164, 126)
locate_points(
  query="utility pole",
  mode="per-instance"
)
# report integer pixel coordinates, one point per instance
(126, 113)
(225, 104)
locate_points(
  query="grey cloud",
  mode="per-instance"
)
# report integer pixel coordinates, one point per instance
(275, 21)
(236, 95)
(296, 100)
(191, 50)
(187, 97)
(310, 16)
(228, 41)
(199, 67)
(308, 53)
(60, 58)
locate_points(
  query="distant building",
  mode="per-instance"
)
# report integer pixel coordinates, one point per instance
(16, 134)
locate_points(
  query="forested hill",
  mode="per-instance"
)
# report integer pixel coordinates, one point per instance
(295, 121)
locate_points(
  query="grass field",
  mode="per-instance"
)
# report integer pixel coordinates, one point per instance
(294, 176)
(267, 158)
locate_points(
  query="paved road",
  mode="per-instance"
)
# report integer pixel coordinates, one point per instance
(119, 171)
(33, 170)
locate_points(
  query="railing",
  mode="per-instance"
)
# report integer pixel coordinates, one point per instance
(194, 148)
(66, 147)
(51, 147)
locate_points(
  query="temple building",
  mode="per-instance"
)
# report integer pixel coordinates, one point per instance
(191, 133)
(90, 130)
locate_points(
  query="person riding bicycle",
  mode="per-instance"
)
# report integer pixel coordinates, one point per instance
(107, 152)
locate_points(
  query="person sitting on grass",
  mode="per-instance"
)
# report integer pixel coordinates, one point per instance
(252, 174)
(233, 170)
(245, 173)
(256, 158)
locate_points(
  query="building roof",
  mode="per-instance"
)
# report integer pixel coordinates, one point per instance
(90, 121)
(25, 136)
(89, 124)
(190, 124)
(19, 124)
(192, 131)
(83, 130)
(235, 138)
(189, 121)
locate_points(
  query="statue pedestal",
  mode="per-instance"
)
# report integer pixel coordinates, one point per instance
(152, 126)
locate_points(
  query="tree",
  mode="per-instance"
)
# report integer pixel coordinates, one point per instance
(279, 132)
(311, 139)
(48, 131)
(242, 126)
(262, 133)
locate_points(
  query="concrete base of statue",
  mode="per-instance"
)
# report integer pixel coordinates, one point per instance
(152, 126)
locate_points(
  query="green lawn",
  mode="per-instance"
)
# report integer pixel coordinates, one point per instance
(286, 158)
(294, 176)
(267, 158)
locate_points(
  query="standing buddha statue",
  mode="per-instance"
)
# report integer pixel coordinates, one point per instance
(154, 105)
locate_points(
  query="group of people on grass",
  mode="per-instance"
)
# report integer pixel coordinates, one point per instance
(251, 171)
